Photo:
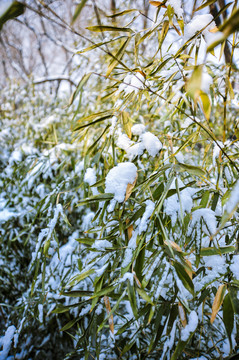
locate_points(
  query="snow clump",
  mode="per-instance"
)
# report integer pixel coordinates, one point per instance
(151, 143)
(118, 178)
(132, 83)
(138, 129)
(90, 176)
(198, 23)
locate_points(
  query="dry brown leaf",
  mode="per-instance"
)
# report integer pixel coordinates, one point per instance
(108, 310)
(175, 246)
(129, 189)
(182, 314)
(214, 30)
(217, 302)
(178, 32)
(157, 3)
(130, 231)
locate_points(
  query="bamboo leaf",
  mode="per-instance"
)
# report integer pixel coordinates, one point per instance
(217, 302)
(209, 251)
(95, 198)
(118, 56)
(184, 277)
(144, 295)
(100, 28)
(228, 316)
(78, 11)
(69, 325)
(77, 278)
(194, 170)
(10, 10)
(129, 188)
(206, 104)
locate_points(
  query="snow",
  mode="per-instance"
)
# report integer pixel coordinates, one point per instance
(190, 327)
(132, 82)
(198, 23)
(138, 129)
(234, 267)
(102, 244)
(123, 141)
(135, 150)
(151, 143)
(6, 342)
(145, 219)
(233, 201)
(118, 178)
(90, 176)
(6, 215)
(129, 251)
(209, 218)
(127, 276)
(40, 311)
(173, 208)
(206, 82)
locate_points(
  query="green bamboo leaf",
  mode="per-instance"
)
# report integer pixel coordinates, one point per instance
(193, 170)
(77, 278)
(82, 82)
(77, 293)
(206, 104)
(100, 28)
(132, 298)
(86, 241)
(95, 198)
(233, 291)
(121, 13)
(95, 46)
(69, 325)
(80, 127)
(228, 316)
(78, 11)
(209, 251)
(118, 56)
(184, 277)
(205, 4)
(144, 295)
(10, 10)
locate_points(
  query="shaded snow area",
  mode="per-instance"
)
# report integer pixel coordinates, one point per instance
(6, 342)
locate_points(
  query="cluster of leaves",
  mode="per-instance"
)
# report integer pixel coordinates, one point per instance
(121, 283)
(142, 296)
